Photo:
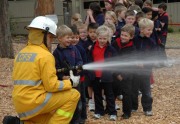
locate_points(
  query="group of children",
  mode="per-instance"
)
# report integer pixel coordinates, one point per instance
(123, 30)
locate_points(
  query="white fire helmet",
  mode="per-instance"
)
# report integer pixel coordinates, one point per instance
(42, 22)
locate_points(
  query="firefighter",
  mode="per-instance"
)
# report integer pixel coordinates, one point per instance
(38, 96)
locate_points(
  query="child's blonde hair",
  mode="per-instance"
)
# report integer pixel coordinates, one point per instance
(80, 25)
(119, 9)
(148, 2)
(129, 28)
(63, 30)
(76, 17)
(145, 23)
(101, 30)
(111, 26)
(113, 15)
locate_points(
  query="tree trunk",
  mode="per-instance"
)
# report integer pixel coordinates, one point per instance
(6, 49)
(44, 7)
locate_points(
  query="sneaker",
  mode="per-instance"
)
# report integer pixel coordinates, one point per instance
(97, 116)
(125, 116)
(82, 121)
(91, 105)
(151, 86)
(113, 117)
(11, 120)
(133, 110)
(120, 97)
(104, 103)
(117, 107)
(148, 113)
(139, 93)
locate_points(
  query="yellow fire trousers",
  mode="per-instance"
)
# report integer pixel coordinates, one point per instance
(59, 109)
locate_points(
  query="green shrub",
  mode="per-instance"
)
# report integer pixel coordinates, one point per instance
(179, 30)
(170, 30)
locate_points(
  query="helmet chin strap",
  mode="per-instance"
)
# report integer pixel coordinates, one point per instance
(45, 36)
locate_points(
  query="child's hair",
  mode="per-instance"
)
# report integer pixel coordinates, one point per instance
(130, 13)
(95, 7)
(145, 23)
(80, 25)
(154, 14)
(111, 26)
(119, 9)
(148, 2)
(163, 6)
(129, 28)
(139, 3)
(113, 15)
(135, 8)
(104, 30)
(92, 26)
(74, 30)
(63, 30)
(112, 2)
(140, 15)
(131, 2)
(76, 17)
(146, 10)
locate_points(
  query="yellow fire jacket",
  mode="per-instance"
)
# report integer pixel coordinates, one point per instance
(35, 79)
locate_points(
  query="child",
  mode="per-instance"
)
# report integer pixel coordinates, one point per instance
(109, 5)
(82, 29)
(144, 46)
(110, 17)
(147, 12)
(75, 40)
(94, 14)
(139, 16)
(92, 37)
(76, 17)
(163, 18)
(100, 51)
(147, 3)
(124, 46)
(120, 13)
(112, 28)
(67, 56)
(130, 18)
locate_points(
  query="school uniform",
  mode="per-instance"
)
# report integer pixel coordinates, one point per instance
(102, 79)
(67, 58)
(164, 18)
(144, 47)
(82, 83)
(126, 51)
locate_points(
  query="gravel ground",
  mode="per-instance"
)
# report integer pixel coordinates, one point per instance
(166, 94)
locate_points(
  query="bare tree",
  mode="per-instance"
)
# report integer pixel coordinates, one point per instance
(6, 49)
(44, 7)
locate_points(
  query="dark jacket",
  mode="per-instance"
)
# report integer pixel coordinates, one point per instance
(65, 58)
(106, 75)
(146, 50)
(126, 53)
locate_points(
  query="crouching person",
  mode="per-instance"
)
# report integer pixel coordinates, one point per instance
(38, 95)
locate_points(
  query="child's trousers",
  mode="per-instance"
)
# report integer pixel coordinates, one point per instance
(127, 95)
(142, 82)
(107, 86)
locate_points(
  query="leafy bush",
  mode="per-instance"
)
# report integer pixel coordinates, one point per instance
(170, 30)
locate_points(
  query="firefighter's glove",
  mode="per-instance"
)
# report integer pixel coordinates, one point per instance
(74, 79)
